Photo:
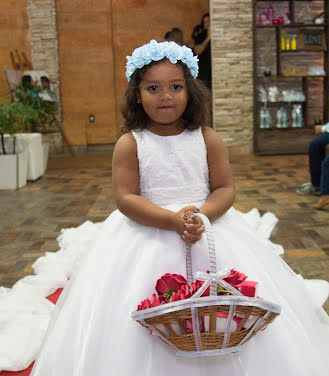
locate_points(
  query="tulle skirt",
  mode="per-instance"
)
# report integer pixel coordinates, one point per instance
(92, 332)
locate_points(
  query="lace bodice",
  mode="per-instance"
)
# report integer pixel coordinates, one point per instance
(172, 169)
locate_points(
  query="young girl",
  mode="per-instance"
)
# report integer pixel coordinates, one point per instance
(166, 167)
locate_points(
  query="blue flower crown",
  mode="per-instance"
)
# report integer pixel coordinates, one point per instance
(156, 51)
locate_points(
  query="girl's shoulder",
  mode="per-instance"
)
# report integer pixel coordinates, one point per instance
(212, 139)
(126, 138)
(210, 133)
(125, 144)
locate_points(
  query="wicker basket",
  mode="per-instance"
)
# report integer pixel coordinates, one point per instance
(181, 324)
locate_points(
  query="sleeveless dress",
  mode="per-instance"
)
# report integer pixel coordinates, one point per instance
(92, 332)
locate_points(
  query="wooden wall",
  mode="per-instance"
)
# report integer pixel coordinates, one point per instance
(94, 38)
(86, 70)
(14, 34)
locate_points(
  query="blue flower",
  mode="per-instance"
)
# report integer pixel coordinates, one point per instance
(156, 51)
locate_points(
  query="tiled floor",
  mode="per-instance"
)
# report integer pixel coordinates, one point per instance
(76, 189)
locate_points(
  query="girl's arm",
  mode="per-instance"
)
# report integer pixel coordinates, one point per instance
(125, 179)
(220, 176)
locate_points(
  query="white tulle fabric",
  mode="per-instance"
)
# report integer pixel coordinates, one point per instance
(115, 265)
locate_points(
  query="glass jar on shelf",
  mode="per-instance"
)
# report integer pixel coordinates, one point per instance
(267, 118)
(284, 123)
(278, 117)
(297, 116)
(262, 118)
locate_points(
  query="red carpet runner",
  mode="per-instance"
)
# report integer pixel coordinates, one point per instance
(26, 372)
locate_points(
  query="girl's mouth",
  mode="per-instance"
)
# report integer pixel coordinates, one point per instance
(165, 107)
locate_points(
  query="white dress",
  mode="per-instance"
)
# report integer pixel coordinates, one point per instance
(92, 332)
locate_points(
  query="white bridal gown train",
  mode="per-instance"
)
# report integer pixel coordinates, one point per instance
(91, 330)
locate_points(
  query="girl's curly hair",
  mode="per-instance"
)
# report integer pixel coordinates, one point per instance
(195, 115)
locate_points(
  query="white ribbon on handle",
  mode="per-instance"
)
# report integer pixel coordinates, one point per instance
(215, 277)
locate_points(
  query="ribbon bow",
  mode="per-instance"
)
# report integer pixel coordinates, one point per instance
(215, 277)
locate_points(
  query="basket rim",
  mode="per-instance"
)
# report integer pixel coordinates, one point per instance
(206, 301)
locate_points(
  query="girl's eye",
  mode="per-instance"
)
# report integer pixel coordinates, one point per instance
(177, 87)
(152, 88)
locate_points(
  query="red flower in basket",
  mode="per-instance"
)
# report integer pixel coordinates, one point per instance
(183, 293)
(235, 278)
(147, 303)
(169, 284)
(197, 284)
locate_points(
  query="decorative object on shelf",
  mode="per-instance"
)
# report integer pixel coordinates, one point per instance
(262, 117)
(283, 118)
(270, 15)
(293, 42)
(287, 43)
(316, 70)
(294, 71)
(268, 60)
(273, 94)
(292, 96)
(278, 117)
(294, 117)
(283, 42)
(297, 116)
(319, 19)
(262, 95)
(287, 19)
(267, 118)
(260, 19)
(313, 40)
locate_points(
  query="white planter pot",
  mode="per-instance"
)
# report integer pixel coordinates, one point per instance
(13, 170)
(38, 152)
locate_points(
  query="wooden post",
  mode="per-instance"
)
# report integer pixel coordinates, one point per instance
(63, 135)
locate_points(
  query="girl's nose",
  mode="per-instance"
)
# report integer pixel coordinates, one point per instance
(166, 95)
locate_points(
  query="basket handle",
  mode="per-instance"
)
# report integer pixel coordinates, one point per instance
(214, 277)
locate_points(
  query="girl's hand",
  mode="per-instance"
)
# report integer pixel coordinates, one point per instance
(179, 219)
(194, 229)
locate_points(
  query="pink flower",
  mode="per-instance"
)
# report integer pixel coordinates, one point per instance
(147, 303)
(168, 284)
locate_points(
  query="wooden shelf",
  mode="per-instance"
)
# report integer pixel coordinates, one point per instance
(289, 140)
(281, 1)
(278, 77)
(287, 129)
(294, 25)
(280, 103)
(302, 50)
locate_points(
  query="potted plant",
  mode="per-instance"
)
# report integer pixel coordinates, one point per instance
(42, 101)
(14, 117)
(34, 97)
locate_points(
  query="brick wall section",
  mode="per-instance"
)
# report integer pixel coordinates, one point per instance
(233, 73)
(44, 46)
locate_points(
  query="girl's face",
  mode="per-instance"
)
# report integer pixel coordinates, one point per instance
(163, 95)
